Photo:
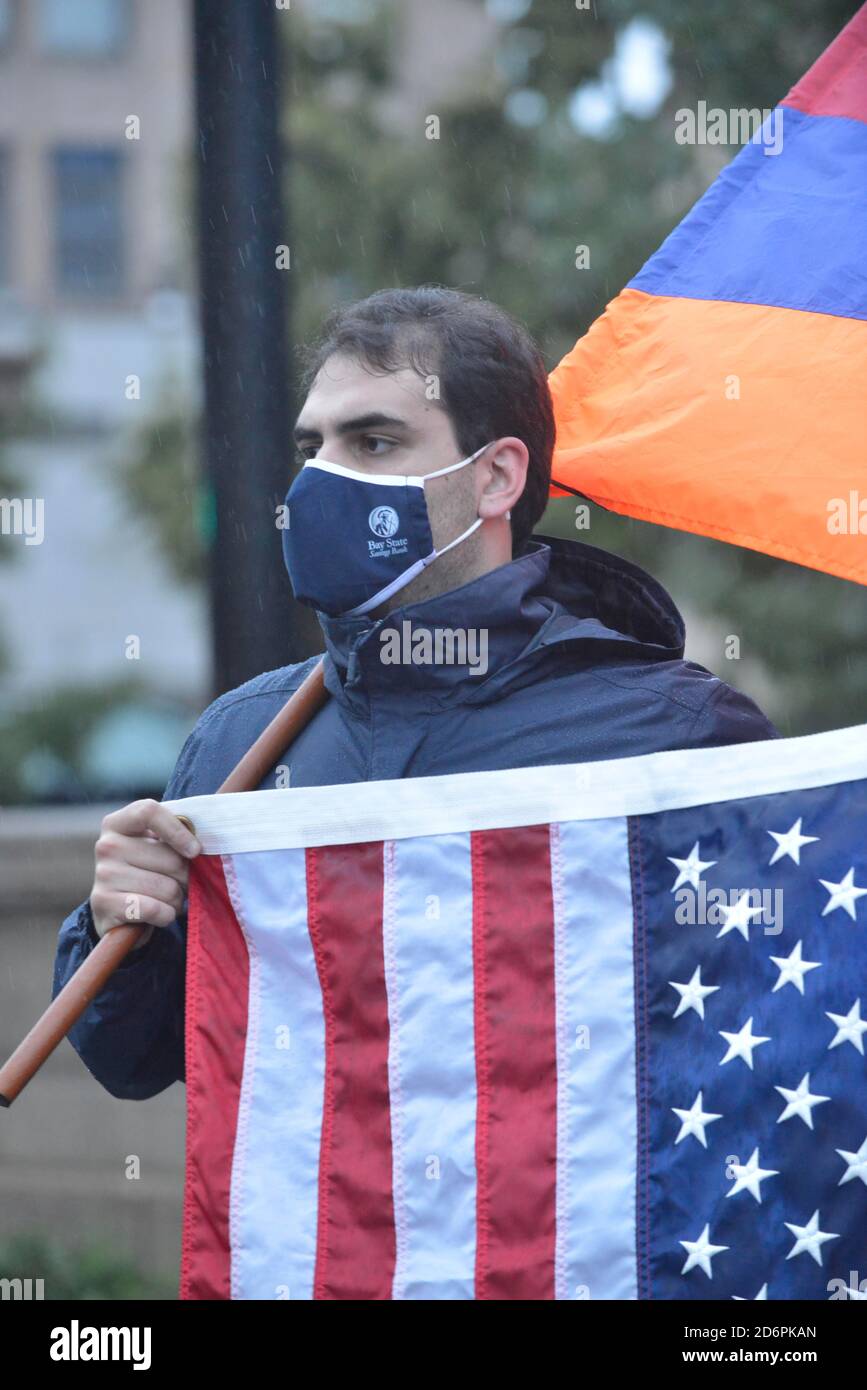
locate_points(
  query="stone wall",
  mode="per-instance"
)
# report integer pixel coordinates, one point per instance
(65, 1142)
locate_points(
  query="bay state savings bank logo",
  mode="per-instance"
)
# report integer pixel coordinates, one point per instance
(383, 521)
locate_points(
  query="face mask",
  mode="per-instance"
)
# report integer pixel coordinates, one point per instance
(354, 539)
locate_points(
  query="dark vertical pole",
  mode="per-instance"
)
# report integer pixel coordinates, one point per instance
(247, 417)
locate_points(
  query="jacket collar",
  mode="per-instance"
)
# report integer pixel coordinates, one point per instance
(554, 594)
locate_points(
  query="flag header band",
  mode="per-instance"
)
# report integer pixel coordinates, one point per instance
(356, 813)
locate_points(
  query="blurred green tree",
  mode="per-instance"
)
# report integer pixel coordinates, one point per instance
(497, 206)
(160, 476)
(88, 1271)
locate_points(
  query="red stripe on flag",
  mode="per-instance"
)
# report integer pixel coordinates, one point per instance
(355, 1253)
(218, 971)
(836, 84)
(516, 1064)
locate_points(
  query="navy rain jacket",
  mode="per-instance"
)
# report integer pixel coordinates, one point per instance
(584, 662)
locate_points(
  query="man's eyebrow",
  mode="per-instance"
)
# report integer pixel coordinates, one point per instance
(359, 422)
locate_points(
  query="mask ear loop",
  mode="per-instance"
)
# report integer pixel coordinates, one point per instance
(469, 531)
(476, 524)
(403, 579)
(461, 463)
(387, 590)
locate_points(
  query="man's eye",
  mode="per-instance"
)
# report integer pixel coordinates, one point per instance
(367, 439)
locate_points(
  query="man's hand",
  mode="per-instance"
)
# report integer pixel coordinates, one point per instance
(142, 867)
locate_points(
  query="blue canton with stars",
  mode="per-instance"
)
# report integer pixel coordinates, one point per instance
(752, 1047)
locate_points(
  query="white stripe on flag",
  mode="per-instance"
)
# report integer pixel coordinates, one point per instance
(404, 807)
(597, 1121)
(274, 1199)
(428, 943)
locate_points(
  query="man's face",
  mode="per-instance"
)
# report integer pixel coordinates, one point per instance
(385, 424)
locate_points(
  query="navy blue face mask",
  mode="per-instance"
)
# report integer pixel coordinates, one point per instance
(351, 540)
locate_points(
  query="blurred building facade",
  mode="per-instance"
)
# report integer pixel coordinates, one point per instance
(99, 335)
(97, 323)
(95, 131)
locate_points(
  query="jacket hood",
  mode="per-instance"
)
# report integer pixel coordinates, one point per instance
(553, 601)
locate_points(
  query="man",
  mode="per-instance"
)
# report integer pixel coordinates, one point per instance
(556, 651)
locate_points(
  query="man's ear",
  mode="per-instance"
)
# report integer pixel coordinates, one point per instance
(507, 478)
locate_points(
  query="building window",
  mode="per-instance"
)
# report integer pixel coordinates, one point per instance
(85, 29)
(89, 221)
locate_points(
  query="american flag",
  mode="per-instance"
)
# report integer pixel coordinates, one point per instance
(587, 1031)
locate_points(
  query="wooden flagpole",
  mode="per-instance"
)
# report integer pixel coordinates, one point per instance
(103, 960)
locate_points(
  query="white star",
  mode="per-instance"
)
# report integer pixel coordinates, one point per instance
(690, 870)
(843, 894)
(700, 1252)
(793, 969)
(738, 917)
(810, 1238)
(800, 1102)
(849, 1028)
(761, 1296)
(857, 1165)
(692, 996)
(749, 1175)
(790, 843)
(694, 1120)
(741, 1044)
(856, 1293)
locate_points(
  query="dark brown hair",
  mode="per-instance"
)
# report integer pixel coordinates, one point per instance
(492, 378)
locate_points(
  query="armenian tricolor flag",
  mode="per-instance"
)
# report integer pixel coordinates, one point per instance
(724, 391)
